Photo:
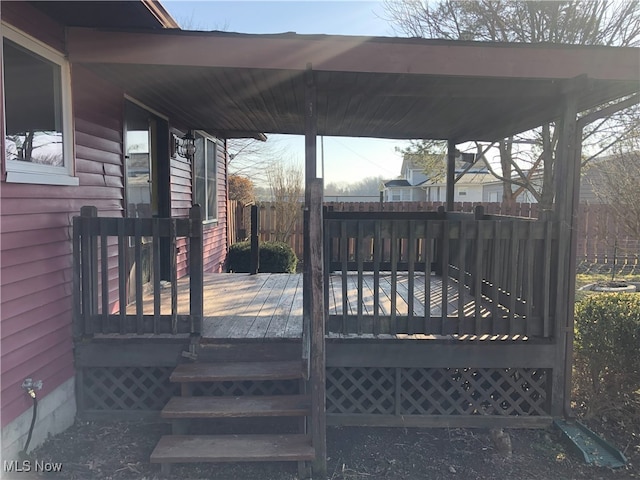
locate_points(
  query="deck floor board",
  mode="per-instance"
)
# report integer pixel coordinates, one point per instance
(266, 306)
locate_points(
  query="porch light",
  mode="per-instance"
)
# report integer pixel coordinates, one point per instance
(186, 146)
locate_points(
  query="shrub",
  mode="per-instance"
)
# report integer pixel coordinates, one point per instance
(274, 257)
(607, 340)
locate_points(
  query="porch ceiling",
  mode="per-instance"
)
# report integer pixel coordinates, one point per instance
(241, 85)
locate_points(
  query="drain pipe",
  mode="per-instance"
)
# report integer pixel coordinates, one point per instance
(30, 387)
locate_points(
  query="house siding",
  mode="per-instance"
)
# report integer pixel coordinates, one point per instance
(215, 233)
(36, 232)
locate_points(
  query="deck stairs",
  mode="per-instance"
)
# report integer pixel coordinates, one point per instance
(187, 410)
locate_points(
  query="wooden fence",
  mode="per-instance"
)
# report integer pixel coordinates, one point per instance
(601, 239)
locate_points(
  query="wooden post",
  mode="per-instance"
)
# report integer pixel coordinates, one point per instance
(89, 269)
(314, 279)
(567, 178)
(255, 247)
(451, 173)
(317, 316)
(196, 269)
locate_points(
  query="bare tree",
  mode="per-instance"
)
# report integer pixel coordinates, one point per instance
(287, 190)
(600, 22)
(615, 183)
(253, 158)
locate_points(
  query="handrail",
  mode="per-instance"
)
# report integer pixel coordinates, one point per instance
(109, 283)
(486, 278)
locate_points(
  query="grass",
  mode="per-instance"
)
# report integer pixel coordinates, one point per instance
(583, 279)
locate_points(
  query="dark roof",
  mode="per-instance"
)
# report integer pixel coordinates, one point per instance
(240, 85)
(397, 183)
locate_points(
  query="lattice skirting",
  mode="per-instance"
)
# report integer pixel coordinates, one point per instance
(148, 388)
(437, 391)
(350, 390)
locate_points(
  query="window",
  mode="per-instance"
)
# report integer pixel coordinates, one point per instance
(38, 130)
(204, 167)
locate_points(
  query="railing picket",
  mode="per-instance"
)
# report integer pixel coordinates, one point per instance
(426, 256)
(377, 254)
(104, 274)
(529, 279)
(477, 276)
(512, 264)
(546, 281)
(495, 275)
(78, 324)
(88, 267)
(137, 242)
(344, 256)
(155, 245)
(196, 270)
(462, 245)
(360, 258)
(122, 275)
(327, 269)
(411, 247)
(174, 276)
(445, 275)
(394, 276)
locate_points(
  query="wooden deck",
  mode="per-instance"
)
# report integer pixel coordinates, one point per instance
(269, 306)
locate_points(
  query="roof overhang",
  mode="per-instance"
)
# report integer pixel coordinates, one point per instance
(240, 85)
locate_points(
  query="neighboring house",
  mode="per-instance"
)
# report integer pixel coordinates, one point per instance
(475, 185)
(415, 186)
(593, 174)
(492, 192)
(71, 139)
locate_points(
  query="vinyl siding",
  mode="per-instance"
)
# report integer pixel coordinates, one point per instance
(36, 220)
(215, 234)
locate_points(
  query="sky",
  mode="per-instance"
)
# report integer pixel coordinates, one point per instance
(346, 159)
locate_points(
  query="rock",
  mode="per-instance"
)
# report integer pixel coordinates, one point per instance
(502, 441)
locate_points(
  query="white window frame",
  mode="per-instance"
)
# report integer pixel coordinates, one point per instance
(26, 172)
(207, 219)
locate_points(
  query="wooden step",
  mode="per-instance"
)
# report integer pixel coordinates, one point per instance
(233, 407)
(241, 371)
(233, 448)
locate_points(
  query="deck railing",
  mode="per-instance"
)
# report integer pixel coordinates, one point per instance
(438, 273)
(118, 266)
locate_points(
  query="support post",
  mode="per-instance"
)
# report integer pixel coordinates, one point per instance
(255, 247)
(451, 173)
(566, 186)
(313, 291)
(196, 270)
(89, 266)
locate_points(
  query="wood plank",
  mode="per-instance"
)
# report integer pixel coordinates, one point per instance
(122, 275)
(234, 407)
(207, 372)
(232, 448)
(275, 305)
(441, 421)
(444, 353)
(104, 279)
(294, 320)
(411, 245)
(155, 246)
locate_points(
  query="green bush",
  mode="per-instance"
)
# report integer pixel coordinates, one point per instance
(607, 346)
(274, 257)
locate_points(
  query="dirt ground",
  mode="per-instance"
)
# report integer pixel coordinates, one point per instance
(110, 450)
